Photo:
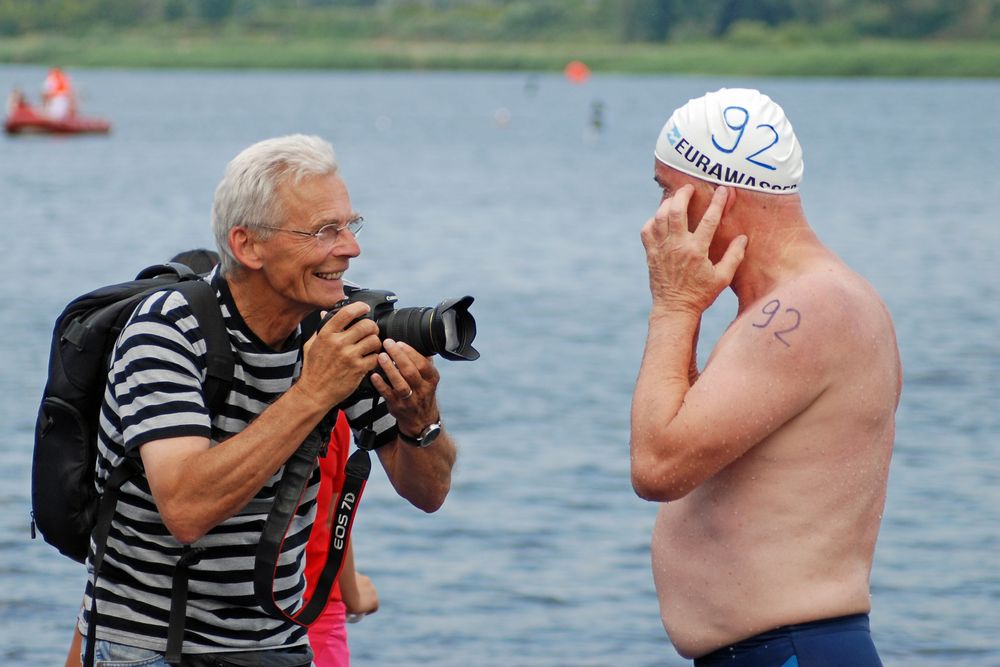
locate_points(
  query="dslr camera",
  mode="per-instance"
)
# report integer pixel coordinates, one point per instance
(447, 329)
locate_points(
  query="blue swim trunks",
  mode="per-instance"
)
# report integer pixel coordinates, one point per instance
(837, 642)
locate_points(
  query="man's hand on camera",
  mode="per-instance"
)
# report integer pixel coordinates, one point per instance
(339, 356)
(409, 386)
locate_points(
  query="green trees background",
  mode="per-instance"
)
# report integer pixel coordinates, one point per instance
(952, 38)
(621, 21)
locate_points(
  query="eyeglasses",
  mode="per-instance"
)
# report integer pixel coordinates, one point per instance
(327, 234)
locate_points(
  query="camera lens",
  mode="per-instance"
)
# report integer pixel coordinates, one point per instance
(447, 329)
(411, 326)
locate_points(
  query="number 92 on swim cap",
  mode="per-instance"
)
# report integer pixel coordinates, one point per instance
(736, 137)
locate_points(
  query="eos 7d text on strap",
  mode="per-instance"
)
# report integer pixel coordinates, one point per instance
(298, 470)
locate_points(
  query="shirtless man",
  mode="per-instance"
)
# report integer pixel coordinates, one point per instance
(772, 463)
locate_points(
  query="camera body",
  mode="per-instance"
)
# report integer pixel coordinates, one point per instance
(380, 302)
(447, 329)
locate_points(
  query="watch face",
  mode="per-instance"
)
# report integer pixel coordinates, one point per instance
(426, 437)
(430, 434)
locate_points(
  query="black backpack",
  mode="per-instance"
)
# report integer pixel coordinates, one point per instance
(64, 500)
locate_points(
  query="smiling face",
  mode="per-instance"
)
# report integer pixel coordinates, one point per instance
(302, 269)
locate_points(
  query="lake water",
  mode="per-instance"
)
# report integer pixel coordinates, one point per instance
(499, 186)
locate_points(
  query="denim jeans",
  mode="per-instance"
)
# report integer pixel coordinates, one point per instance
(109, 654)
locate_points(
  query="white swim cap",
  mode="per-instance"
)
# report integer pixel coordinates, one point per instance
(737, 137)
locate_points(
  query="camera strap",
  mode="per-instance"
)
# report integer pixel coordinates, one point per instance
(298, 471)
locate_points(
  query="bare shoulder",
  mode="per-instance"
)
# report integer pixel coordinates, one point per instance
(828, 325)
(812, 326)
(823, 304)
(846, 305)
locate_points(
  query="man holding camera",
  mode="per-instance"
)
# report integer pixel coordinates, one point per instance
(772, 463)
(286, 232)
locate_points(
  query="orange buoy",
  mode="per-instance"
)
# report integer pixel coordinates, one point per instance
(576, 71)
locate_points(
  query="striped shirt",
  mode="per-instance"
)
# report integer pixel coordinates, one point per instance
(155, 392)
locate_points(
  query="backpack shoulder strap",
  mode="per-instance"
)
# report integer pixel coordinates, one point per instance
(201, 297)
(205, 305)
(220, 363)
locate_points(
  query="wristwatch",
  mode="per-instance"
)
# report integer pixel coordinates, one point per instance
(426, 437)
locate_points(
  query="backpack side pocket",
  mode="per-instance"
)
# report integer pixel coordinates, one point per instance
(64, 498)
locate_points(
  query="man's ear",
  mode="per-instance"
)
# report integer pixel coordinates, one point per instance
(245, 248)
(730, 200)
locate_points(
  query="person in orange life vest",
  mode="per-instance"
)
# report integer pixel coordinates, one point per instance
(58, 98)
(353, 593)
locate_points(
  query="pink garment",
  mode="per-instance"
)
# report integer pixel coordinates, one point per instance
(328, 637)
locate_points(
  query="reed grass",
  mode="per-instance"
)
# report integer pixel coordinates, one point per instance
(853, 58)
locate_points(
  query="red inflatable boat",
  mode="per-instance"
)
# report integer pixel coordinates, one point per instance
(22, 118)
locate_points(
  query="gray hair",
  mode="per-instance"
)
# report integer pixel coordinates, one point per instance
(247, 194)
